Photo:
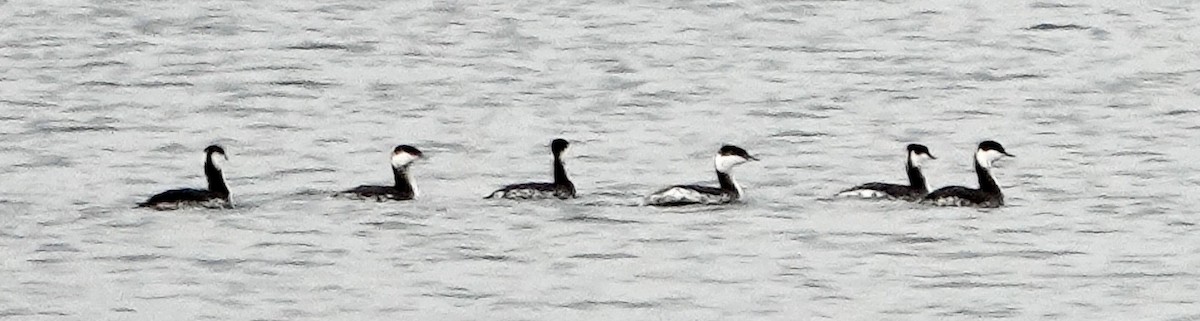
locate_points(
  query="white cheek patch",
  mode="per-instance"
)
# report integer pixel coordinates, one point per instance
(403, 159)
(995, 155)
(916, 159)
(218, 160)
(986, 157)
(919, 159)
(725, 163)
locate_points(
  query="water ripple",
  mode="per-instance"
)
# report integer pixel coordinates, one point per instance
(603, 256)
(591, 304)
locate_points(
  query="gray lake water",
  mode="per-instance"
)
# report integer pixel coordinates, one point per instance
(107, 102)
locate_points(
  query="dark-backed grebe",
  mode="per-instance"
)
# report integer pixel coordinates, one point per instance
(561, 188)
(988, 194)
(727, 157)
(216, 196)
(402, 157)
(914, 191)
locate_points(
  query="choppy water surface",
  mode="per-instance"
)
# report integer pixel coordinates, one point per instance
(107, 102)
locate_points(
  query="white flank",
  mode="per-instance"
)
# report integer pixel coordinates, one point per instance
(526, 194)
(863, 193)
(950, 201)
(675, 195)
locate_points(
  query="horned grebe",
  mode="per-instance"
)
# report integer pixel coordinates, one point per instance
(561, 188)
(914, 191)
(402, 157)
(988, 194)
(727, 157)
(216, 196)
